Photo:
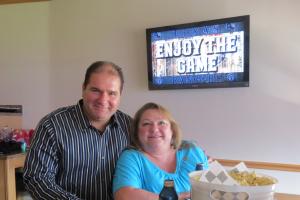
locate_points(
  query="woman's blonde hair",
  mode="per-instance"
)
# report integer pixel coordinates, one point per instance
(176, 138)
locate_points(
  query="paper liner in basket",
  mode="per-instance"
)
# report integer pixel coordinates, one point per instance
(218, 175)
(241, 167)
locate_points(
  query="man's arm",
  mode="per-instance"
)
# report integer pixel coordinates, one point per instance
(41, 166)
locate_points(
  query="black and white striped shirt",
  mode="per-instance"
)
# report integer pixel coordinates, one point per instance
(69, 159)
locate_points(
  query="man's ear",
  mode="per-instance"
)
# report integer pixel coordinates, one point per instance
(82, 89)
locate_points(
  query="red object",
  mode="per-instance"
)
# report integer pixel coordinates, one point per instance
(31, 132)
(22, 135)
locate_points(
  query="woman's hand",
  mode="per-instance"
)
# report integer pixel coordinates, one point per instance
(184, 195)
(210, 159)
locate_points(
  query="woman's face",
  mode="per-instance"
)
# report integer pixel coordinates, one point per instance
(154, 130)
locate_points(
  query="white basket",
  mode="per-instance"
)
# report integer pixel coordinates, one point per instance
(210, 191)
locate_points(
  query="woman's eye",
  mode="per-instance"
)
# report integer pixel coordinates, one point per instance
(145, 123)
(163, 123)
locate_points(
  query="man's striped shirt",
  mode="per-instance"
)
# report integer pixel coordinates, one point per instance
(70, 159)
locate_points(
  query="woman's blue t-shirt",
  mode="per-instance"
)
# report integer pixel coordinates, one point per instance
(135, 170)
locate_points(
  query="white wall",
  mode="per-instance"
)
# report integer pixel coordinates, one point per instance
(24, 59)
(238, 123)
(61, 38)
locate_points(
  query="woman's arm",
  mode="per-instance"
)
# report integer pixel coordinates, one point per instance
(129, 193)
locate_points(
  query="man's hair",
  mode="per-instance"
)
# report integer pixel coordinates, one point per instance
(101, 66)
(176, 138)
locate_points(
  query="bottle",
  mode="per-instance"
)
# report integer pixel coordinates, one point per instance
(168, 192)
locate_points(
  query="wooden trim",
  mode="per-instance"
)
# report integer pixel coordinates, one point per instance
(262, 165)
(18, 1)
(280, 196)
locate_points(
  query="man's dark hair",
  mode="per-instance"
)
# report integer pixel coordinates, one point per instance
(98, 66)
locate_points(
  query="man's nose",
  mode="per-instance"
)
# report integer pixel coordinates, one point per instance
(103, 96)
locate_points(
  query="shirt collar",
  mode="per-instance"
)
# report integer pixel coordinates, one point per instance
(84, 121)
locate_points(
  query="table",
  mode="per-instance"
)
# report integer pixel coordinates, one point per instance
(8, 165)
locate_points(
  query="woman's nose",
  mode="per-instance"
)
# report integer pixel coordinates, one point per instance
(154, 127)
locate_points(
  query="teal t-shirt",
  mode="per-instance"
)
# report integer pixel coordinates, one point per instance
(135, 170)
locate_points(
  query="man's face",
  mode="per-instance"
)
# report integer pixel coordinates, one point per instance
(101, 96)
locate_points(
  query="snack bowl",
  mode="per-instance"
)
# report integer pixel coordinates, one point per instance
(210, 191)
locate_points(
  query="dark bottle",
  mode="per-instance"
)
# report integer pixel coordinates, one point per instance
(168, 192)
(199, 167)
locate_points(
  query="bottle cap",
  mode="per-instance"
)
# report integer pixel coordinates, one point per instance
(169, 183)
(199, 166)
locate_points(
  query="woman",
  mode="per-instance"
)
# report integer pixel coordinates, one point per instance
(157, 154)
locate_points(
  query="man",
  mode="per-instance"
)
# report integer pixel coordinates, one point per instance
(74, 150)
